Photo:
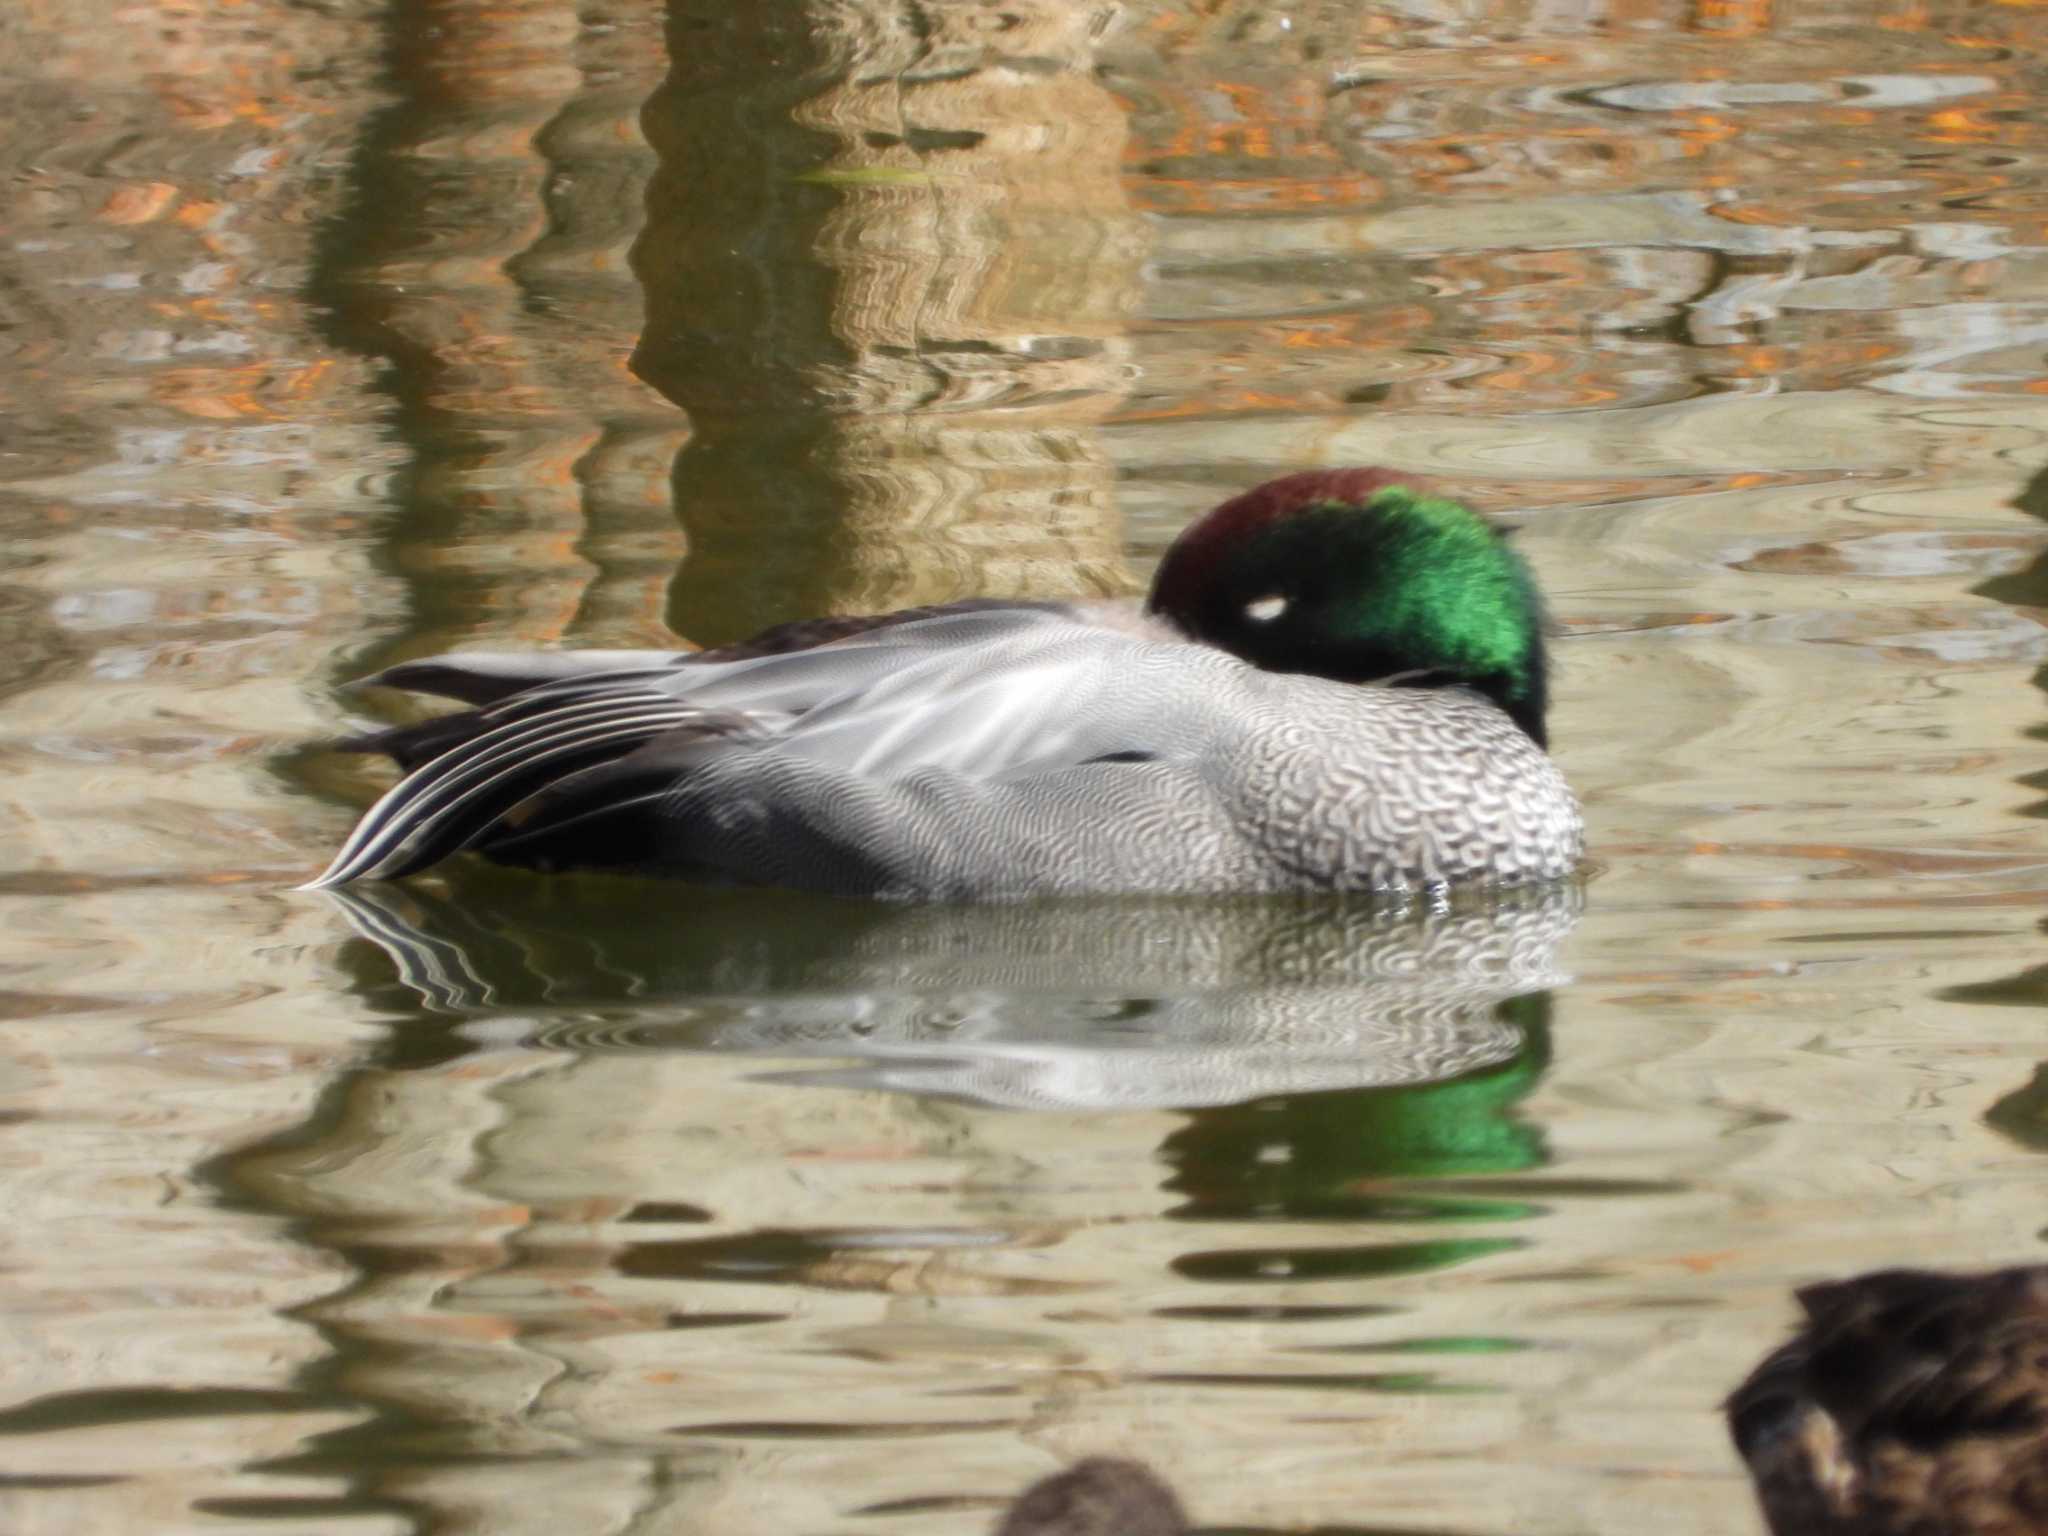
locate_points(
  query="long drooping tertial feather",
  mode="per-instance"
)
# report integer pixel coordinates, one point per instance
(444, 805)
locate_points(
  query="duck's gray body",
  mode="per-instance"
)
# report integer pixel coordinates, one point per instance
(1005, 752)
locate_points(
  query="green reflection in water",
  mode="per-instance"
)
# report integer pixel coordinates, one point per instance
(1325, 1157)
(1450, 1344)
(1405, 1383)
(1364, 1262)
(59, 1411)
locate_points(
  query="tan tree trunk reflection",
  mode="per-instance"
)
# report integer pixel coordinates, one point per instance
(888, 262)
(483, 258)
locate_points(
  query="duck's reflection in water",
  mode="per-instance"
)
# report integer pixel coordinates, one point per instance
(558, 1188)
(1064, 1005)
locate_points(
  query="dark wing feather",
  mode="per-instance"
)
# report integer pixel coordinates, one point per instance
(485, 677)
(803, 634)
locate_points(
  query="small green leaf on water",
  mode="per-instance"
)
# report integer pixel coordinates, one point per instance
(1451, 1344)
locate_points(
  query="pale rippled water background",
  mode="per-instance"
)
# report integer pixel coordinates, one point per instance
(495, 1205)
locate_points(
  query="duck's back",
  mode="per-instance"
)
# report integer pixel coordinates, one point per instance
(1153, 768)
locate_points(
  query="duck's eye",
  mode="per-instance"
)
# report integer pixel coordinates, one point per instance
(1265, 610)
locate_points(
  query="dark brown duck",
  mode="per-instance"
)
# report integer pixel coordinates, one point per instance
(1101, 1496)
(1910, 1404)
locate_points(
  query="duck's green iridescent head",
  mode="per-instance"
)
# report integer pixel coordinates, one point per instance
(1364, 576)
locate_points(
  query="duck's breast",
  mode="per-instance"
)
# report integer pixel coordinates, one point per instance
(1371, 788)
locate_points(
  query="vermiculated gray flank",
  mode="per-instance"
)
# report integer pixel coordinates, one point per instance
(1003, 751)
